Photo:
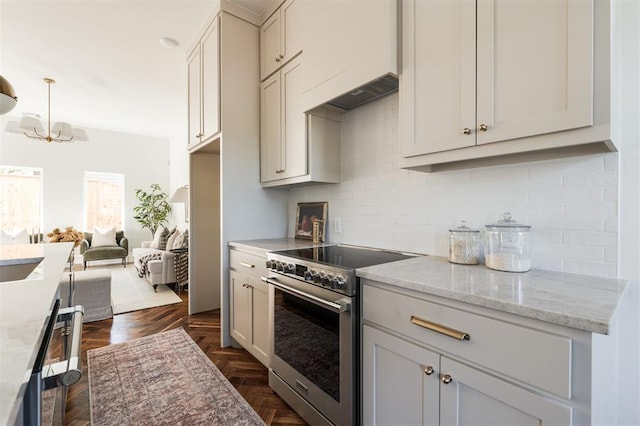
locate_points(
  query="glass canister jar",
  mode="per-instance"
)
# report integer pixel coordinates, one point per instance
(507, 245)
(464, 245)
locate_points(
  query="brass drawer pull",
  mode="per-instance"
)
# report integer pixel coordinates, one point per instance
(438, 328)
(247, 265)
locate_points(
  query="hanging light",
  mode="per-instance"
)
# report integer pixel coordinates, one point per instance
(31, 126)
(8, 98)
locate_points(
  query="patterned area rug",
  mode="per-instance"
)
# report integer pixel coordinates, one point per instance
(162, 379)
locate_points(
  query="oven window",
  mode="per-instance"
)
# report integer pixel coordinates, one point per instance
(306, 336)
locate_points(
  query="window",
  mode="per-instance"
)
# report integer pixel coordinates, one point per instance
(20, 198)
(103, 200)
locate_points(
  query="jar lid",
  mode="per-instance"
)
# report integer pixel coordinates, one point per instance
(508, 223)
(463, 228)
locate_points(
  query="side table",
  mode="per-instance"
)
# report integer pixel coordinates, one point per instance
(181, 265)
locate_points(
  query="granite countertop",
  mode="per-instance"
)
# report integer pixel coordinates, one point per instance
(25, 306)
(259, 247)
(577, 301)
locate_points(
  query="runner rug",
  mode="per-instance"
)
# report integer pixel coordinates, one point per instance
(162, 379)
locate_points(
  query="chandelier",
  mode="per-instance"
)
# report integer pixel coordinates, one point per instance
(31, 126)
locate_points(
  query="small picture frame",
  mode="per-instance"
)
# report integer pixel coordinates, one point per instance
(306, 214)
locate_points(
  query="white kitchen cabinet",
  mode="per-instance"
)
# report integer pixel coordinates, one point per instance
(405, 383)
(249, 314)
(496, 78)
(295, 147)
(283, 145)
(281, 37)
(204, 87)
(502, 372)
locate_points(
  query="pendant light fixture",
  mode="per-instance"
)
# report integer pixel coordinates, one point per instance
(31, 126)
(8, 98)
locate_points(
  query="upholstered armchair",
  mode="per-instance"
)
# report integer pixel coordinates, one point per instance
(121, 251)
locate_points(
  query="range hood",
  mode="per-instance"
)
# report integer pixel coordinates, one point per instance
(368, 92)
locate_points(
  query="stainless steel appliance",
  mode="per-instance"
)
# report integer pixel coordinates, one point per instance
(315, 313)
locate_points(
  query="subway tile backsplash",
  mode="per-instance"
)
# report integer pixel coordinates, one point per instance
(571, 204)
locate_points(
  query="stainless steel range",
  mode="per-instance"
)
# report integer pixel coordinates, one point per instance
(315, 312)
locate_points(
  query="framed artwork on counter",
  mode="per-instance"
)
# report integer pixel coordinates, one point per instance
(306, 214)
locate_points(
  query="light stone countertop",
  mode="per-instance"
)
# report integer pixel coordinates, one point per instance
(577, 301)
(25, 307)
(260, 247)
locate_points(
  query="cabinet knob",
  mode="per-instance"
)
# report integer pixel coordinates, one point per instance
(277, 59)
(428, 370)
(199, 135)
(483, 127)
(466, 131)
(281, 56)
(446, 379)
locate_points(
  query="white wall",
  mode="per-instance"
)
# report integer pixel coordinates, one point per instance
(143, 161)
(571, 204)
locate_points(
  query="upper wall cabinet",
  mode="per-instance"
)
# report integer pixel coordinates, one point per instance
(347, 44)
(281, 37)
(512, 81)
(204, 87)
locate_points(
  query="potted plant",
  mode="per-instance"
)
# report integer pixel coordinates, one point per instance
(153, 208)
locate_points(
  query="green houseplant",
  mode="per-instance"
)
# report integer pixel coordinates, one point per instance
(153, 208)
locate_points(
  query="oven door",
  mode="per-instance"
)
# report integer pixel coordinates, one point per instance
(313, 349)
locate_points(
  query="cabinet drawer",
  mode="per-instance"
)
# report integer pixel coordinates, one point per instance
(535, 357)
(248, 263)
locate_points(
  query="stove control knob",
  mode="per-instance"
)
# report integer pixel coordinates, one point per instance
(326, 280)
(308, 275)
(268, 264)
(271, 264)
(289, 268)
(339, 283)
(316, 277)
(279, 266)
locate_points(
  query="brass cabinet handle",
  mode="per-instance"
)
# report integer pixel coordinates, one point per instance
(438, 328)
(199, 135)
(483, 127)
(280, 171)
(466, 131)
(277, 59)
(428, 370)
(247, 265)
(446, 379)
(281, 56)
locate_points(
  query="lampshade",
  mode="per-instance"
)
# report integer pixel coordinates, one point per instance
(181, 195)
(8, 98)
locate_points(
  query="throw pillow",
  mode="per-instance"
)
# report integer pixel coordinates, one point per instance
(104, 237)
(160, 238)
(172, 238)
(20, 236)
(181, 241)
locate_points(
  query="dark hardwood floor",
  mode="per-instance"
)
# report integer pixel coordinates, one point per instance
(246, 374)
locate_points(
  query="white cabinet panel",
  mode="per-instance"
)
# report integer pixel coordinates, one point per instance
(472, 397)
(281, 37)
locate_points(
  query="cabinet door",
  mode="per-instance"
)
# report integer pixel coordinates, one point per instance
(292, 29)
(270, 137)
(194, 101)
(472, 397)
(270, 45)
(438, 76)
(293, 121)
(260, 319)
(535, 67)
(210, 81)
(240, 308)
(397, 386)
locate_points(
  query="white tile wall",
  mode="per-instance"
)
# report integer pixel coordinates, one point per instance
(571, 204)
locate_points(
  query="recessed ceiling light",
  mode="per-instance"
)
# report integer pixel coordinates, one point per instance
(169, 42)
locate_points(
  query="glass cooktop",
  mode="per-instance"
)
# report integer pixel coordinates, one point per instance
(347, 257)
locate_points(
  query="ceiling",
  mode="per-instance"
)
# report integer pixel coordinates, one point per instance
(110, 69)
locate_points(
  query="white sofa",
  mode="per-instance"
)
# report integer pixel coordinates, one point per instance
(161, 271)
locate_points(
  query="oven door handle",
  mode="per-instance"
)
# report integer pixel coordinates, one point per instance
(334, 307)
(68, 371)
